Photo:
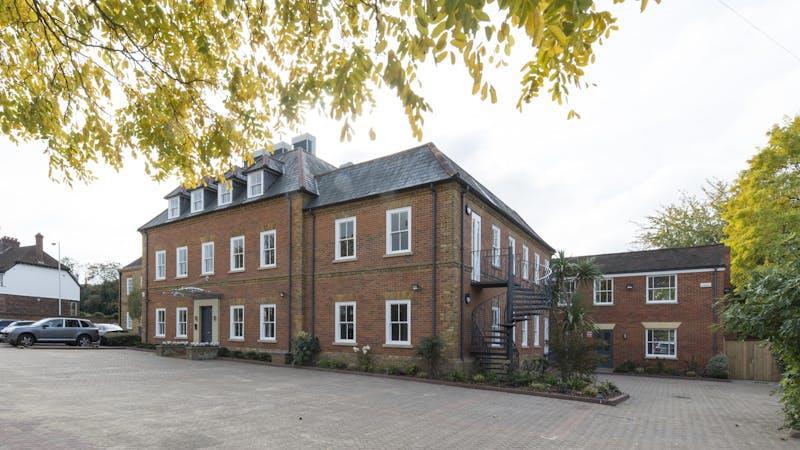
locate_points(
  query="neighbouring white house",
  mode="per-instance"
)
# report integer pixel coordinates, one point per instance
(31, 284)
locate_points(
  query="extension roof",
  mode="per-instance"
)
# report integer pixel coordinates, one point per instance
(684, 258)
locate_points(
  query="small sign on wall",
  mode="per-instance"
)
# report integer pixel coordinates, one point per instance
(706, 284)
(589, 334)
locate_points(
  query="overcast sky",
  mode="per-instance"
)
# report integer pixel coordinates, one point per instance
(683, 93)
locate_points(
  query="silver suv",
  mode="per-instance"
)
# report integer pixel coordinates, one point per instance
(57, 330)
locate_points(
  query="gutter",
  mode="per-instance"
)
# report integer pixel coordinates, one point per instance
(313, 273)
(461, 278)
(291, 262)
(146, 293)
(434, 257)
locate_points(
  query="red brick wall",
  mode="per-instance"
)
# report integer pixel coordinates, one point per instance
(32, 308)
(693, 310)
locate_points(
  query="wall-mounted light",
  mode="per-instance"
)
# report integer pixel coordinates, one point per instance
(467, 298)
(416, 287)
(629, 286)
(282, 294)
(625, 335)
(468, 210)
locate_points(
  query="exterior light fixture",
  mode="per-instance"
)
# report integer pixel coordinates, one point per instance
(629, 286)
(468, 210)
(467, 298)
(416, 287)
(283, 294)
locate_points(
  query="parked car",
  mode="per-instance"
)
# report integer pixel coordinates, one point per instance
(5, 322)
(57, 330)
(4, 330)
(105, 328)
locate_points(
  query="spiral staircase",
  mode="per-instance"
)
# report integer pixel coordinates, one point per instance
(493, 319)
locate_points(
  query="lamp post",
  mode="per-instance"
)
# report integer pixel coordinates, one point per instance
(58, 243)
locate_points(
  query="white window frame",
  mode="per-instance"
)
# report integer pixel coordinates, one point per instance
(128, 320)
(206, 254)
(476, 247)
(173, 204)
(496, 237)
(546, 334)
(1, 279)
(537, 273)
(525, 333)
(263, 251)
(546, 267)
(251, 183)
(536, 320)
(184, 323)
(193, 207)
(389, 214)
(233, 255)
(525, 262)
(674, 287)
(512, 244)
(495, 325)
(232, 323)
(161, 269)
(597, 292)
(570, 286)
(338, 323)
(222, 189)
(647, 341)
(389, 304)
(128, 285)
(185, 263)
(338, 238)
(161, 323)
(262, 335)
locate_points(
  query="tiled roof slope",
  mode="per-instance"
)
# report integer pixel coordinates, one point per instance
(707, 256)
(329, 185)
(25, 255)
(136, 263)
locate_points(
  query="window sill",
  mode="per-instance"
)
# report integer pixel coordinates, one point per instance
(671, 302)
(537, 346)
(392, 255)
(398, 346)
(236, 271)
(182, 338)
(345, 344)
(268, 341)
(159, 279)
(525, 346)
(344, 260)
(160, 336)
(181, 276)
(602, 304)
(274, 266)
(207, 274)
(236, 339)
(674, 358)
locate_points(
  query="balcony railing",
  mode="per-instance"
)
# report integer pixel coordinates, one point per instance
(492, 267)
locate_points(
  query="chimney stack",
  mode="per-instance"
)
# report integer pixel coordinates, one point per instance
(7, 243)
(39, 247)
(306, 142)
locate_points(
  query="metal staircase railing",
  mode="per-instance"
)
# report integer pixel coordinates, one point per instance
(493, 319)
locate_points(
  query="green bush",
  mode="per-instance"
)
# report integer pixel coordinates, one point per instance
(577, 383)
(224, 352)
(422, 374)
(304, 348)
(607, 388)
(456, 375)
(120, 340)
(331, 364)
(430, 349)
(535, 367)
(478, 378)
(717, 367)
(550, 379)
(392, 370)
(626, 367)
(237, 353)
(491, 378)
(590, 391)
(639, 370)
(411, 369)
(538, 386)
(652, 370)
(146, 345)
(690, 373)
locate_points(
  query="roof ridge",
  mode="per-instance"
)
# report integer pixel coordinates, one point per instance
(408, 150)
(651, 250)
(442, 159)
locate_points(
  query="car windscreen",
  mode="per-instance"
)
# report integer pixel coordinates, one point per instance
(87, 324)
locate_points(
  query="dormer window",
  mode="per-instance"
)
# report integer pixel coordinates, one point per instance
(174, 207)
(197, 200)
(224, 193)
(255, 184)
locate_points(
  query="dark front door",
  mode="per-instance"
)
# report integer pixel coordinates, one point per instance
(205, 324)
(605, 340)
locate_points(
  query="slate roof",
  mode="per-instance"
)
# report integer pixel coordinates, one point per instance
(27, 255)
(702, 257)
(415, 167)
(136, 263)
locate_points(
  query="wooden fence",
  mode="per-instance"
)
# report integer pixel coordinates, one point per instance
(751, 360)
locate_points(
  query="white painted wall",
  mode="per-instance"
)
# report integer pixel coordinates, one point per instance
(35, 281)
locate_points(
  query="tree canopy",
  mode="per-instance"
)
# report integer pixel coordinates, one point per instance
(763, 216)
(192, 87)
(691, 221)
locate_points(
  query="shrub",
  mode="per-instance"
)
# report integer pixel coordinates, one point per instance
(538, 386)
(251, 355)
(146, 345)
(120, 340)
(224, 352)
(331, 364)
(660, 366)
(652, 370)
(627, 366)
(364, 358)
(577, 384)
(692, 365)
(237, 354)
(430, 349)
(411, 369)
(491, 378)
(422, 374)
(456, 375)
(690, 373)
(535, 367)
(478, 378)
(607, 388)
(304, 348)
(717, 367)
(590, 391)
(639, 370)
(550, 379)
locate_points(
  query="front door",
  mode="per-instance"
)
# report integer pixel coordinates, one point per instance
(605, 340)
(206, 333)
(476, 247)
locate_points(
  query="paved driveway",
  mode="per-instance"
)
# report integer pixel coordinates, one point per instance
(82, 398)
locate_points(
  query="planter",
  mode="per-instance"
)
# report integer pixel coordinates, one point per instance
(201, 353)
(171, 350)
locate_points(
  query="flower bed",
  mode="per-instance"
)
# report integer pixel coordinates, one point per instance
(189, 350)
(715, 370)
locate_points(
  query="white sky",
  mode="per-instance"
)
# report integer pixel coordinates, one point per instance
(683, 92)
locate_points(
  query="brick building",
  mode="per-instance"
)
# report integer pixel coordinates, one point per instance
(380, 253)
(130, 282)
(31, 285)
(659, 304)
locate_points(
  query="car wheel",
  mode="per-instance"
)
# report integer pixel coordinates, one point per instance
(84, 340)
(26, 340)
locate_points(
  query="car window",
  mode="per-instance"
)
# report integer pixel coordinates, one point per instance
(54, 323)
(87, 324)
(72, 323)
(4, 323)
